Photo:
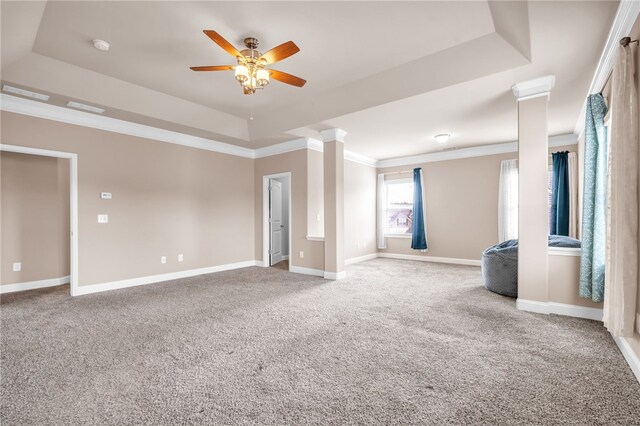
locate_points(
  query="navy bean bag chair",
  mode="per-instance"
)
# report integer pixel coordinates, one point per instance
(500, 264)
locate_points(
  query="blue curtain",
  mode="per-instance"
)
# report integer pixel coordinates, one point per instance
(560, 194)
(419, 233)
(593, 211)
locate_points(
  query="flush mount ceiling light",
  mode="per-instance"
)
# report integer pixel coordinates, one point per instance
(22, 92)
(85, 107)
(101, 45)
(250, 71)
(442, 137)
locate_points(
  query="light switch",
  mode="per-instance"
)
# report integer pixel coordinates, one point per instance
(105, 195)
(163, 259)
(301, 254)
(318, 217)
(180, 258)
(103, 218)
(17, 267)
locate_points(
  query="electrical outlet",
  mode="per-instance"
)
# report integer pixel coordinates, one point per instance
(301, 254)
(163, 259)
(17, 267)
(318, 217)
(105, 195)
(103, 218)
(180, 258)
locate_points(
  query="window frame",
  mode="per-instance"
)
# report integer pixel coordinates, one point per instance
(386, 207)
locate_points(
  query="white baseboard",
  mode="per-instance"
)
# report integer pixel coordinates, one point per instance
(32, 285)
(629, 355)
(285, 257)
(575, 311)
(451, 260)
(306, 271)
(152, 279)
(559, 309)
(360, 258)
(335, 275)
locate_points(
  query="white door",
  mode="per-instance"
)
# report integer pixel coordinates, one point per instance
(275, 221)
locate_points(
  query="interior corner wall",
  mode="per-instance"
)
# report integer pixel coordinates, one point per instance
(167, 200)
(461, 201)
(294, 162)
(359, 210)
(35, 228)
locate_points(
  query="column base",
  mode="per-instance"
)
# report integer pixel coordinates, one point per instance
(335, 275)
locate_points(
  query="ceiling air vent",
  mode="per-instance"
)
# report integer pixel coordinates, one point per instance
(23, 92)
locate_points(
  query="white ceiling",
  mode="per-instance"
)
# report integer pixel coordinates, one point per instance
(391, 74)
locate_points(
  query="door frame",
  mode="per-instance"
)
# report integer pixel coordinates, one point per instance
(265, 217)
(73, 195)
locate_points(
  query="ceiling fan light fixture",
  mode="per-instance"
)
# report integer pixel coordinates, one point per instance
(262, 77)
(242, 73)
(442, 137)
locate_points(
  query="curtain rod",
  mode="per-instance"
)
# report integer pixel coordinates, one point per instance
(625, 41)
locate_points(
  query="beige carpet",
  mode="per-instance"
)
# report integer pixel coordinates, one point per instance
(397, 342)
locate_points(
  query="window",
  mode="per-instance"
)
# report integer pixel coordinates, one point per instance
(399, 208)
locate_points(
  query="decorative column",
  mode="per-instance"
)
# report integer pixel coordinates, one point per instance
(334, 203)
(533, 197)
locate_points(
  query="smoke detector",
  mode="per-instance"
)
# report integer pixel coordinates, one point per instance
(101, 45)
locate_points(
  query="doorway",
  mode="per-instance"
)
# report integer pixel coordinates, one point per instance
(73, 223)
(277, 220)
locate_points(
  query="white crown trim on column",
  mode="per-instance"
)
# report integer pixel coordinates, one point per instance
(623, 22)
(534, 88)
(333, 135)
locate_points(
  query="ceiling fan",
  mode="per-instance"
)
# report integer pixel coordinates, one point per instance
(250, 71)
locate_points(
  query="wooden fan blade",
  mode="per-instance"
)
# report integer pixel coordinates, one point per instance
(214, 68)
(281, 52)
(220, 41)
(287, 78)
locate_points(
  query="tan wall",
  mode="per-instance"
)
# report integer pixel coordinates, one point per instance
(360, 210)
(296, 163)
(315, 194)
(461, 199)
(34, 196)
(564, 278)
(167, 200)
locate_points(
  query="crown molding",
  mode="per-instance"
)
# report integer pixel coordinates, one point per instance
(333, 135)
(281, 148)
(51, 112)
(475, 151)
(66, 115)
(361, 159)
(533, 88)
(626, 16)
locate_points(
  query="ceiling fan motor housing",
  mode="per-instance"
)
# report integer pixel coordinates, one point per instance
(251, 42)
